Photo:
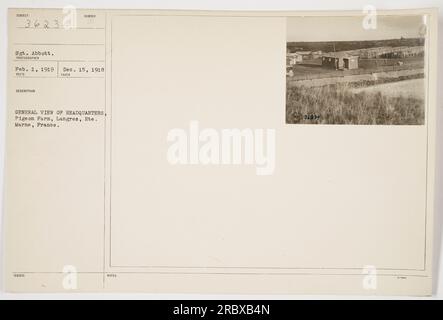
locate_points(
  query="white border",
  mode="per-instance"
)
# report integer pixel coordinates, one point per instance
(250, 5)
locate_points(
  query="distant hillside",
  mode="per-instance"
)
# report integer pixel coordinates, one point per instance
(328, 46)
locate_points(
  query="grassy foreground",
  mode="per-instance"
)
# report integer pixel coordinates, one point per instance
(335, 104)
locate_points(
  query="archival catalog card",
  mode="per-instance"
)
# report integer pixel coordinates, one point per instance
(220, 152)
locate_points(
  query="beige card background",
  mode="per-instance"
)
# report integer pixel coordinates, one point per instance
(103, 198)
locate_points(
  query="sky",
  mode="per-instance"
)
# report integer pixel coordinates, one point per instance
(351, 28)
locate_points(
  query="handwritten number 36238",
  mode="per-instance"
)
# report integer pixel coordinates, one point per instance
(46, 24)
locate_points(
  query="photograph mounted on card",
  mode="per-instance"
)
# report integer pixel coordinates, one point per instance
(358, 71)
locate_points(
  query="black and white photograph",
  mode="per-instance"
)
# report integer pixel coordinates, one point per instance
(356, 70)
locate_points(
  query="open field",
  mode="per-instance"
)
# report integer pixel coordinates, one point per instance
(356, 80)
(312, 69)
(337, 104)
(413, 88)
